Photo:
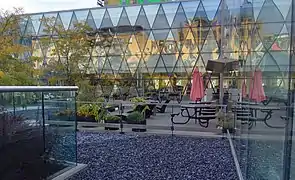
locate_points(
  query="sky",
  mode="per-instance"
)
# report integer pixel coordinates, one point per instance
(34, 6)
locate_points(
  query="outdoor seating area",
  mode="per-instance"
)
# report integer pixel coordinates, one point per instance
(150, 138)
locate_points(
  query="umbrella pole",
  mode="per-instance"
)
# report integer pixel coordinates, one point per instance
(221, 56)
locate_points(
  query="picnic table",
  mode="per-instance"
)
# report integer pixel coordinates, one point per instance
(254, 108)
(203, 119)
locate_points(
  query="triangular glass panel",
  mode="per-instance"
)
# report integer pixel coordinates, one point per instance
(124, 41)
(151, 12)
(132, 62)
(210, 45)
(151, 61)
(142, 20)
(106, 21)
(73, 22)
(180, 36)
(97, 15)
(283, 6)
(66, 18)
(170, 45)
(29, 31)
(257, 8)
(169, 61)
(282, 42)
(44, 45)
(124, 21)
(179, 20)
(115, 62)
(106, 41)
(46, 25)
(200, 64)
(82, 15)
(107, 68)
(58, 25)
(170, 10)
(124, 67)
(179, 66)
(101, 60)
(160, 66)
(190, 8)
(201, 15)
(36, 21)
(115, 48)
(211, 7)
(268, 36)
(115, 13)
(222, 16)
(132, 46)
(269, 13)
(190, 44)
(132, 12)
(152, 45)
(37, 52)
(90, 21)
(160, 20)
(160, 34)
(143, 38)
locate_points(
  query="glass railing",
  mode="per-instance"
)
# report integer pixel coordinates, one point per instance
(28, 139)
(261, 141)
(258, 136)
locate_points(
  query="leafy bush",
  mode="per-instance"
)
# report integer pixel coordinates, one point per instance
(112, 118)
(94, 110)
(139, 100)
(135, 117)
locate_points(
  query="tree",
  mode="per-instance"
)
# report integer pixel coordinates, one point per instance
(69, 50)
(16, 63)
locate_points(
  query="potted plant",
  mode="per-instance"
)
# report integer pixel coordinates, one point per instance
(226, 120)
(141, 106)
(137, 118)
(91, 113)
(112, 119)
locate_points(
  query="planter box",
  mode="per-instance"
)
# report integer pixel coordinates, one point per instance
(141, 128)
(112, 127)
(86, 119)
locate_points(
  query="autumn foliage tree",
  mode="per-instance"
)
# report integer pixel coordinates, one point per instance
(69, 52)
(16, 65)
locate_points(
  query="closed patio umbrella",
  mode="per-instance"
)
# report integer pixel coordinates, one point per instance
(256, 89)
(197, 90)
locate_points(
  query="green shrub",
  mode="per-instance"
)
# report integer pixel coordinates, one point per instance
(112, 118)
(135, 117)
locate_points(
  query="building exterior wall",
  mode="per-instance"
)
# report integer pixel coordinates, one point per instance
(179, 36)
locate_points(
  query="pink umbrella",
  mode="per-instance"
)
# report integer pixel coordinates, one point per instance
(256, 89)
(244, 89)
(197, 90)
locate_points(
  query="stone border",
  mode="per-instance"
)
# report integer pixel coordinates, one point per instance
(70, 172)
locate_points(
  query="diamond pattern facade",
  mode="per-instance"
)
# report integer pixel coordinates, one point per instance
(162, 43)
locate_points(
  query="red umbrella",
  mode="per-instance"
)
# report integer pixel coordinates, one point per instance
(197, 90)
(256, 89)
(244, 89)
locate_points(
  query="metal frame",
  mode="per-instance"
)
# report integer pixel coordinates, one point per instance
(37, 88)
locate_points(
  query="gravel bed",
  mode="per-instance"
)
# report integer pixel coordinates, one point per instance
(111, 156)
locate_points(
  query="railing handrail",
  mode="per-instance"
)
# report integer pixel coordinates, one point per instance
(37, 88)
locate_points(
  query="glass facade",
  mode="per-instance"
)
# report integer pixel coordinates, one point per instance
(157, 46)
